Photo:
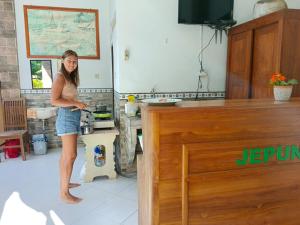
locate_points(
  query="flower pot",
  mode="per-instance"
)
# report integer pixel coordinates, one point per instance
(282, 93)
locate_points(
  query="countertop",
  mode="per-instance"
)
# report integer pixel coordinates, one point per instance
(227, 103)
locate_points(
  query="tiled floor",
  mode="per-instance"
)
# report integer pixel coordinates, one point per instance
(29, 195)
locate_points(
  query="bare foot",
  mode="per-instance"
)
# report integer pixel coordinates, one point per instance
(71, 199)
(73, 185)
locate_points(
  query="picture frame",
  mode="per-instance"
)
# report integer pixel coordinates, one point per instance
(50, 31)
(41, 74)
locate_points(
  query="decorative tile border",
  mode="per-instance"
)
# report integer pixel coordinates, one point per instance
(80, 90)
(182, 95)
(95, 90)
(39, 91)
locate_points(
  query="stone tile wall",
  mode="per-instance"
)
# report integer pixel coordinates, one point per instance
(120, 151)
(92, 97)
(9, 75)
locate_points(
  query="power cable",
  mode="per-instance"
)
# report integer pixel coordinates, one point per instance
(199, 87)
(200, 55)
(200, 58)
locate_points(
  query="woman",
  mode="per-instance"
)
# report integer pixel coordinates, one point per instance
(64, 95)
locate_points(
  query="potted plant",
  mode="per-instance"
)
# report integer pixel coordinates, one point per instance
(282, 87)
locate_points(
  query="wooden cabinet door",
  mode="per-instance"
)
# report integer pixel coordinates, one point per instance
(239, 65)
(290, 62)
(265, 60)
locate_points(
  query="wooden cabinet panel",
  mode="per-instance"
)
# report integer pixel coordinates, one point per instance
(265, 60)
(257, 196)
(239, 63)
(144, 189)
(275, 47)
(170, 162)
(228, 125)
(290, 62)
(170, 202)
(188, 175)
(220, 156)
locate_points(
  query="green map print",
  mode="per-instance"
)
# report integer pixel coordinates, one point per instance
(52, 32)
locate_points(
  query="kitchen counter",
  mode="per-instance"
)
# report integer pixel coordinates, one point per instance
(232, 103)
(220, 162)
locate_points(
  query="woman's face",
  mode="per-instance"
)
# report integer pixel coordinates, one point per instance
(70, 63)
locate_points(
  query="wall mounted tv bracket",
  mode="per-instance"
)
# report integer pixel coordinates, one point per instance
(220, 26)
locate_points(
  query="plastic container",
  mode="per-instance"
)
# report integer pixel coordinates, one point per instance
(131, 109)
(12, 152)
(39, 142)
(99, 155)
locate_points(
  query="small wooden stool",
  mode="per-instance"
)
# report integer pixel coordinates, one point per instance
(99, 137)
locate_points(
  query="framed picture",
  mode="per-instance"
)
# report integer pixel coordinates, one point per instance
(41, 74)
(50, 31)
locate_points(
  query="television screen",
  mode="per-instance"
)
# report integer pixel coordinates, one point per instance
(205, 11)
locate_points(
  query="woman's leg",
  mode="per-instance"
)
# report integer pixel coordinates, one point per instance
(68, 156)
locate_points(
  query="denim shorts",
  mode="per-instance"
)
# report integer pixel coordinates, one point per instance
(67, 121)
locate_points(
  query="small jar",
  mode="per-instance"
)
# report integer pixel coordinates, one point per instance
(263, 7)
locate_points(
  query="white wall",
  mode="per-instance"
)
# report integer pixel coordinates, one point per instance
(114, 43)
(163, 53)
(87, 68)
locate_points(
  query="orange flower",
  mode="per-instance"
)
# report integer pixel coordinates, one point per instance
(279, 79)
(282, 77)
(273, 79)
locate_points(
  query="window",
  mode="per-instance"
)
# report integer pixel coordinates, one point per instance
(41, 74)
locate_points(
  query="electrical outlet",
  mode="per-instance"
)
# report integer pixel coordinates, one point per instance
(126, 55)
(97, 75)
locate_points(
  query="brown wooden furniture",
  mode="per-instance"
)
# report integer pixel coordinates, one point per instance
(188, 172)
(1, 118)
(15, 124)
(259, 48)
(1, 125)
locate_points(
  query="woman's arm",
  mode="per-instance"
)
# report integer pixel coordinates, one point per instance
(57, 100)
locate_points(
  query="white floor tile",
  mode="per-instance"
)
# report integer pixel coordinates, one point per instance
(129, 192)
(36, 183)
(132, 219)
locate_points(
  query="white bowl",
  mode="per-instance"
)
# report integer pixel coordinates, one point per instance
(161, 101)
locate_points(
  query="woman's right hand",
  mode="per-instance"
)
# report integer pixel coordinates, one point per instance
(80, 105)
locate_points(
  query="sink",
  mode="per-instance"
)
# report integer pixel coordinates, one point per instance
(41, 113)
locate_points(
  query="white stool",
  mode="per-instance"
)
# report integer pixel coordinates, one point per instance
(99, 137)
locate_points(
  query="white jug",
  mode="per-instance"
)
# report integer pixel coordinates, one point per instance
(263, 7)
(131, 108)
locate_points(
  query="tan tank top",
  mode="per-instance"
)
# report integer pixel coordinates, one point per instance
(69, 91)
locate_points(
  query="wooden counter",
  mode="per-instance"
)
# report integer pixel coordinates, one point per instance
(220, 162)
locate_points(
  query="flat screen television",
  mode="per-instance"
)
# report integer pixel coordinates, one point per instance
(205, 12)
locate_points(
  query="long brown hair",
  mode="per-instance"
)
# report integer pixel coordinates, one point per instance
(72, 77)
